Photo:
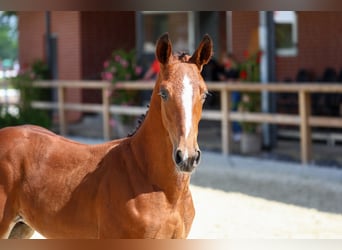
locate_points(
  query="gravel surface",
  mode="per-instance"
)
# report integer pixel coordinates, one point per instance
(241, 197)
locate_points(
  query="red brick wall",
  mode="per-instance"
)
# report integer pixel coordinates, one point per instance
(85, 40)
(222, 34)
(103, 32)
(66, 26)
(319, 45)
(31, 26)
(319, 42)
(244, 24)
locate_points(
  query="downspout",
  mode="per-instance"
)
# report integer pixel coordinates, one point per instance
(267, 72)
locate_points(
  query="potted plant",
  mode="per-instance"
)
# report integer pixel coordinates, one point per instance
(121, 66)
(250, 102)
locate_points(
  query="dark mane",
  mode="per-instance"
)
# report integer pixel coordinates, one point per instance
(183, 56)
(139, 122)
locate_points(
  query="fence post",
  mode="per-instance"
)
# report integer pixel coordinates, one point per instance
(61, 112)
(226, 126)
(305, 130)
(105, 112)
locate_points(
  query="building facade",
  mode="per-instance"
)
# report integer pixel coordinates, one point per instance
(86, 39)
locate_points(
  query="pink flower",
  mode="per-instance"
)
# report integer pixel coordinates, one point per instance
(108, 76)
(106, 64)
(138, 70)
(117, 58)
(124, 63)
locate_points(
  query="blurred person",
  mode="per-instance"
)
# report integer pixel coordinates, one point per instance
(151, 74)
(229, 72)
(152, 71)
(228, 67)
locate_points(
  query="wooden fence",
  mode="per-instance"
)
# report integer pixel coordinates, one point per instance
(304, 119)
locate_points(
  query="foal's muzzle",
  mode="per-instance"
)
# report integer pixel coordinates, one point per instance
(186, 162)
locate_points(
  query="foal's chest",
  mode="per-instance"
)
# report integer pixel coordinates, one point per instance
(143, 217)
(156, 218)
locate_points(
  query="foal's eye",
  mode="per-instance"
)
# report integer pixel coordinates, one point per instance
(164, 94)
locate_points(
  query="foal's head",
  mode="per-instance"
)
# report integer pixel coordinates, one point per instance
(182, 92)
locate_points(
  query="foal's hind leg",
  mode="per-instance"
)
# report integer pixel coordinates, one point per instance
(5, 229)
(21, 231)
(6, 221)
(6, 216)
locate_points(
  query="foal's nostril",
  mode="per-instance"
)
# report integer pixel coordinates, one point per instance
(178, 157)
(187, 163)
(198, 157)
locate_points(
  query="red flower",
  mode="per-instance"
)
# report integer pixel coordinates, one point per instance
(243, 74)
(258, 59)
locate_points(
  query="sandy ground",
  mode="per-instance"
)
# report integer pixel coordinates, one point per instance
(239, 197)
(223, 215)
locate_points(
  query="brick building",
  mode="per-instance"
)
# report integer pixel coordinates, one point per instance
(86, 39)
(319, 45)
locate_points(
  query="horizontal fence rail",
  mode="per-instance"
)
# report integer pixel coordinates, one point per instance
(303, 119)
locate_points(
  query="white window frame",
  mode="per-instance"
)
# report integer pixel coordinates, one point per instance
(289, 17)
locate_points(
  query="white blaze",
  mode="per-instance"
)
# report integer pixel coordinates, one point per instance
(187, 103)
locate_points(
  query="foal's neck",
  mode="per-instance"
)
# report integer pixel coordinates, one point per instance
(152, 144)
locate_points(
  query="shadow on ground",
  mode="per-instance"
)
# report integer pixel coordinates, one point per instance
(307, 186)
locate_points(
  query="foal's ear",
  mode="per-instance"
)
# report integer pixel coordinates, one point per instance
(203, 53)
(164, 49)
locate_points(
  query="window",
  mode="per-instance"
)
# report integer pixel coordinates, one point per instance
(286, 33)
(178, 24)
